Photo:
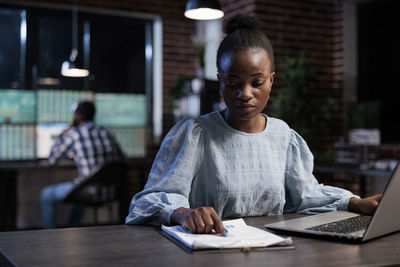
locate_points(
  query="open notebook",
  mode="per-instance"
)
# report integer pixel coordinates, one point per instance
(240, 235)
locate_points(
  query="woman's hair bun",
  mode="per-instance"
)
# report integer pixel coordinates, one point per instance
(241, 22)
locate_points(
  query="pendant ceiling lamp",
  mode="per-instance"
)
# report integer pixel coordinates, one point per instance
(203, 9)
(69, 68)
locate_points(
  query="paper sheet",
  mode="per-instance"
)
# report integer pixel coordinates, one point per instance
(240, 235)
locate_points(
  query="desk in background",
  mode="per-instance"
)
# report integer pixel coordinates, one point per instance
(121, 245)
(21, 182)
(362, 175)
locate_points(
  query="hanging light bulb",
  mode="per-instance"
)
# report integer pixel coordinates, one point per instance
(69, 67)
(203, 9)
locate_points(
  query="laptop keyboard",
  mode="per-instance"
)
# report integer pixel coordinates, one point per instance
(344, 226)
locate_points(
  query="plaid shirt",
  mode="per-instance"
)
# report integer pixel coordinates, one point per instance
(90, 145)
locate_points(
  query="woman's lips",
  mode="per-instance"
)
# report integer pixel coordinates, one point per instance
(246, 108)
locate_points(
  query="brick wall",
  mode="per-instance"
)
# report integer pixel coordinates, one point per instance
(231, 7)
(307, 27)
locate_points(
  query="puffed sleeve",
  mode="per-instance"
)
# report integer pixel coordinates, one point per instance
(169, 183)
(303, 192)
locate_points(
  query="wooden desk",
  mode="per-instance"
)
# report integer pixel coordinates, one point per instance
(21, 183)
(122, 245)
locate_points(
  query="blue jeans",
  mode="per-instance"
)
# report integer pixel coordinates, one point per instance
(50, 196)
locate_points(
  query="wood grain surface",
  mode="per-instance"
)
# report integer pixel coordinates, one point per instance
(122, 245)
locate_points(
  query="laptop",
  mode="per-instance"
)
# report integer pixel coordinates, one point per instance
(349, 226)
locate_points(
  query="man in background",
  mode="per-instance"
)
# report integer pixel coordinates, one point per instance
(91, 147)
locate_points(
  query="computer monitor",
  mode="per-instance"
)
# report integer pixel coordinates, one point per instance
(49, 112)
(17, 106)
(131, 140)
(46, 134)
(17, 142)
(121, 110)
(56, 106)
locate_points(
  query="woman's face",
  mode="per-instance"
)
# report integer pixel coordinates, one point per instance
(245, 81)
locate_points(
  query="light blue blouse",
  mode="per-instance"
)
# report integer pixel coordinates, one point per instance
(205, 162)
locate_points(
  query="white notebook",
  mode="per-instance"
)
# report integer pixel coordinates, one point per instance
(240, 235)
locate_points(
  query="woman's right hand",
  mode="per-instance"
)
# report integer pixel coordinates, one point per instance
(201, 220)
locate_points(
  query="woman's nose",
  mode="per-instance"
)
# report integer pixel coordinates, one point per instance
(245, 93)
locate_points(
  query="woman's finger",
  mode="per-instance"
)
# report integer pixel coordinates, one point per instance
(218, 225)
(198, 220)
(189, 223)
(207, 219)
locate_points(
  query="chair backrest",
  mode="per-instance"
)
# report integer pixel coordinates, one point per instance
(103, 185)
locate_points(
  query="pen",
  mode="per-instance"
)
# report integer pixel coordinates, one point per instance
(225, 233)
(255, 249)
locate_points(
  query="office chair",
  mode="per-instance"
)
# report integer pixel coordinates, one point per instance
(103, 186)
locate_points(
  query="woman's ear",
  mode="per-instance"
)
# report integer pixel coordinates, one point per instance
(272, 77)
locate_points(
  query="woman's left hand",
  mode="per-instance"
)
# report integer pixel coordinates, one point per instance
(365, 205)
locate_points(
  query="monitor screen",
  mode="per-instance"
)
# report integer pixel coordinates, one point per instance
(56, 106)
(46, 134)
(30, 121)
(17, 142)
(121, 110)
(131, 140)
(17, 106)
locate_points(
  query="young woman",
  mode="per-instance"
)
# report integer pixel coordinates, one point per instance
(237, 162)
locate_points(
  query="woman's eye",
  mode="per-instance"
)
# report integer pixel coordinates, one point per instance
(257, 83)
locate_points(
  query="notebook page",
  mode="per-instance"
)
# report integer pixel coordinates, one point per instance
(240, 235)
